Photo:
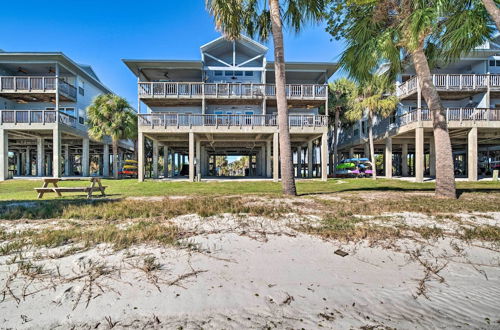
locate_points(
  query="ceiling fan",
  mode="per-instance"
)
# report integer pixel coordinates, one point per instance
(19, 69)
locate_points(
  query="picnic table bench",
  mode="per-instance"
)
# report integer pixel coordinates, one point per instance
(58, 190)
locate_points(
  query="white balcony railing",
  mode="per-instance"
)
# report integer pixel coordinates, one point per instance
(15, 84)
(226, 90)
(452, 82)
(38, 117)
(406, 118)
(189, 120)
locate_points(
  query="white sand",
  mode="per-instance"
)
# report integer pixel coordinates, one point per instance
(258, 273)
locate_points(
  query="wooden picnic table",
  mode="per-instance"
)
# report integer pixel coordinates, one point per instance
(58, 190)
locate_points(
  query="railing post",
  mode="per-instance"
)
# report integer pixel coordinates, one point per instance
(15, 84)
(474, 78)
(461, 114)
(447, 114)
(177, 120)
(460, 83)
(165, 120)
(488, 114)
(447, 81)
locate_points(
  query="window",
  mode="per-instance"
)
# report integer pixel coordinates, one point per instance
(238, 73)
(492, 62)
(81, 87)
(228, 73)
(249, 113)
(248, 73)
(217, 73)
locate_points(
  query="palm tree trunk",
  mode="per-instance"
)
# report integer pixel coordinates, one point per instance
(372, 147)
(445, 176)
(493, 10)
(115, 159)
(336, 137)
(287, 171)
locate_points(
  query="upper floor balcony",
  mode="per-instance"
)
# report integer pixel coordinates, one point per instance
(456, 118)
(188, 121)
(35, 88)
(453, 83)
(197, 90)
(25, 118)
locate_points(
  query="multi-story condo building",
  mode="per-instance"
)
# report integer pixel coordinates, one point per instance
(225, 104)
(470, 92)
(43, 97)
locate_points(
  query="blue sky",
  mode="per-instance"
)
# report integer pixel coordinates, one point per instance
(101, 33)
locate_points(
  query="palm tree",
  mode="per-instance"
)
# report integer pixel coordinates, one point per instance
(424, 31)
(111, 115)
(372, 101)
(340, 95)
(254, 17)
(492, 8)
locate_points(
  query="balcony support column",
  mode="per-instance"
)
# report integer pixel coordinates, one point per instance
(472, 154)
(140, 156)
(276, 157)
(419, 154)
(432, 157)
(404, 159)
(310, 159)
(56, 152)
(198, 158)
(105, 160)
(19, 162)
(351, 152)
(388, 158)
(165, 161)
(191, 156)
(299, 162)
(268, 159)
(27, 160)
(86, 157)
(67, 162)
(155, 159)
(324, 157)
(4, 155)
(40, 157)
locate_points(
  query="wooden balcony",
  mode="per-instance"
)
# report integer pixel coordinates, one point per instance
(456, 117)
(197, 90)
(453, 83)
(28, 88)
(21, 118)
(177, 121)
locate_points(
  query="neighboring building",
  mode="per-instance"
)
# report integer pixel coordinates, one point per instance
(225, 104)
(470, 92)
(43, 97)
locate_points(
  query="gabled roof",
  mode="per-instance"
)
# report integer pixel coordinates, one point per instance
(243, 39)
(82, 70)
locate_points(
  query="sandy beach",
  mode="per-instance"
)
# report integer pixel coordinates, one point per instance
(242, 271)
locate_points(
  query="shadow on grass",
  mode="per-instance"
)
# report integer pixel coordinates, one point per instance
(460, 191)
(45, 209)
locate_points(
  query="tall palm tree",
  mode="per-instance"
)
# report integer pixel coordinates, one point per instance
(340, 95)
(395, 32)
(492, 8)
(111, 115)
(372, 100)
(264, 18)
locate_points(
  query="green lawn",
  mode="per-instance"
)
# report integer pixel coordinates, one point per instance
(23, 189)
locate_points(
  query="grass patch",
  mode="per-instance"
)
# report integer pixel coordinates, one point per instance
(394, 203)
(482, 233)
(349, 229)
(22, 190)
(138, 233)
(131, 209)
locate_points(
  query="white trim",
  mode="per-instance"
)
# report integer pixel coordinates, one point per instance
(218, 59)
